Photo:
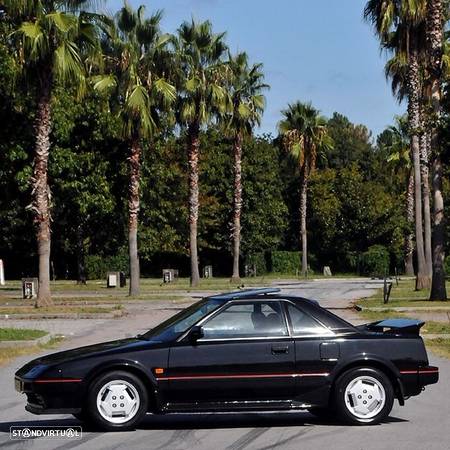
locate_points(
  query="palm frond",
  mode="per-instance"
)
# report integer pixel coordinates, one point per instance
(104, 83)
(63, 22)
(166, 91)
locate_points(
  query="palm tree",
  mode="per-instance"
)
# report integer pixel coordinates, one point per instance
(397, 70)
(202, 98)
(399, 155)
(435, 42)
(51, 39)
(399, 25)
(304, 134)
(135, 49)
(248, 103)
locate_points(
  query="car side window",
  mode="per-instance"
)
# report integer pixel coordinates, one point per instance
(303, 324)
(249, 319)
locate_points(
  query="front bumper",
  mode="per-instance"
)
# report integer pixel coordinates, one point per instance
(51, 396)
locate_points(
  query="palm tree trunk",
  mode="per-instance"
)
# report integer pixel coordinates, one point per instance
(41, 192)
(438, 289)
(424, 173)
(435, 37)
(193, 154)
(409, 237)
(134, 162)
(413, 85)
(237, 204)
(81, 266)
(303, 211)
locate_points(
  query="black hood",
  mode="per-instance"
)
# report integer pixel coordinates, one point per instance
(103, 348)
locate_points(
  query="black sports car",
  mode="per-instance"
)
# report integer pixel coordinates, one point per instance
(247, 350)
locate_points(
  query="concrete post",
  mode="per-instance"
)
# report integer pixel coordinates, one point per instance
(2, 273)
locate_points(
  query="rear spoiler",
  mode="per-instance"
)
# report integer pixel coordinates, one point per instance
(396, 326)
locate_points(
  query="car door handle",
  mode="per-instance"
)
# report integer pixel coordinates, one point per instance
(280, 349)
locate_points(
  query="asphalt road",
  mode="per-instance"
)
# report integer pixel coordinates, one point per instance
(422, 424)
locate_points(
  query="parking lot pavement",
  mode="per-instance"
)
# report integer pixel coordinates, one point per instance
(421, 424)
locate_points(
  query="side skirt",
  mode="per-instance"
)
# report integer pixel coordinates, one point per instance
(263, 405)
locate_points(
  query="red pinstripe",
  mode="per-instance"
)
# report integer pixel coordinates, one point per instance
(218, 377)
(407, 372)
(59, 380)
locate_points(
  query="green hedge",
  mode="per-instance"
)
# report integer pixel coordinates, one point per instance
(286, 262)
(447, 266)
(259, 260)
(279, 262)
(97, 266)
(375, 261)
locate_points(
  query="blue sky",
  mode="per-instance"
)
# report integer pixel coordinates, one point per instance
(312, 50)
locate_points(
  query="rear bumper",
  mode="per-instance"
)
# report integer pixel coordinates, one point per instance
(414, 380)
(428, 375)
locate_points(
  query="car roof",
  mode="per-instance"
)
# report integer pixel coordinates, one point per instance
(245, 293)
(309, 305)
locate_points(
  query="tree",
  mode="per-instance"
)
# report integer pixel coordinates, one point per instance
(435, 42)
(351, 145)
(247, 102)
(135, 50)
(397, 69)
(399, 25)
(351, 214)
(399, 156)
(304, 134)
(51, 41)
(84, 136)
(202, 97)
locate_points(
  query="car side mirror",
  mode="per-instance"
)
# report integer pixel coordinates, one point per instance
(196, 333)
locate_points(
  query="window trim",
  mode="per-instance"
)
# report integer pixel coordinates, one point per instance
(238, 302)
(327, 331)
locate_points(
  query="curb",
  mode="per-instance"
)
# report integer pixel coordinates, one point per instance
(26, 343)
(403, 308)
(111, 315)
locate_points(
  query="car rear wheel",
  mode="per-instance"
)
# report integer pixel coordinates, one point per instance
(364, 396)
(117, 401)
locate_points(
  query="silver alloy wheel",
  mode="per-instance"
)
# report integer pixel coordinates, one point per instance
(365, 397)
(118, 401)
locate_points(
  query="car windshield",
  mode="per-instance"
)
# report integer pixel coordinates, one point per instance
(178, 324)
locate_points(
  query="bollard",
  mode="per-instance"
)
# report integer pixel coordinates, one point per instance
(30, 288)
(112, 279)
(387, 286)
(2, 273)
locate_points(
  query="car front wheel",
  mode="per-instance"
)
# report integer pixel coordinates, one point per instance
(117, 401)
(364, 396)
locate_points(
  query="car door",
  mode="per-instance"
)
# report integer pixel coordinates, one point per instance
(245, 354)
(316, 352)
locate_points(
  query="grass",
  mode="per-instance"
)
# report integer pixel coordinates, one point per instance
(59, 309)
(380, 315)
(404, 295)
(152, 285)
(17, 334)
(7, 354)
(439, 346)
(430, 327)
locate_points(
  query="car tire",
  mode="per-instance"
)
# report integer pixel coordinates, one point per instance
(363, 396)
(117, 400)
